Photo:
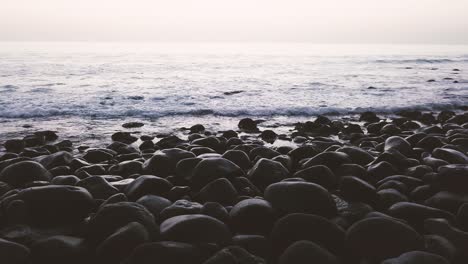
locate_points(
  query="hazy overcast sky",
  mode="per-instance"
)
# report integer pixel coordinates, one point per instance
(323, 21)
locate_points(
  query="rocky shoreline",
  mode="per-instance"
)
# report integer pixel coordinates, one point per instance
(374, 190)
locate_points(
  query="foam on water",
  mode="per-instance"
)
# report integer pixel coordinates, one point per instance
(118, 81)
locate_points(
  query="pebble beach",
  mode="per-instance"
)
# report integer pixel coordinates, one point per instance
(369, 189)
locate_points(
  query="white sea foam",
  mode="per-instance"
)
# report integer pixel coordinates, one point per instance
(127, 80)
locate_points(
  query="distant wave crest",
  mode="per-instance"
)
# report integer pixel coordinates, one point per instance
(261, 112)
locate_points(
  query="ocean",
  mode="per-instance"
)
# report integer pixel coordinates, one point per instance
(85, 89)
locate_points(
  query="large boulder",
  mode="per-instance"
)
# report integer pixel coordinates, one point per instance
(23, 172)
(163, 163)
(301, 197)
(48, 206)
(13, 253)
(111, 217)
(121, 243)
(297, 227)
(379, 238)
(212, 169)
(266, 172)
(147, 184)
(417, 257)
(195, 228)
(252, 216)
(167, 252)
(306, 252)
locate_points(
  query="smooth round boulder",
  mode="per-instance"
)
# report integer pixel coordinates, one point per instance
(49, 206)
(23, 172)
(295, 227)
(306, 252)
(331, 159)
(163, 162)
(167, 252)
(111, 217)
(212, 169)
(452, 177)
(220, 191)
(240, 158)
(121, 243)
(195, 228)
(417, 257)
(252, 216)
(318, 174)
(59, 249)
(450, 155)
(415, 214)
(398, 143)
(98, 187)
(147, 184)
(181, 207)
(353, 189)
(266, 172)
(234, 254)
(13, 253)
(379, 238)
(301, 197)
(155, 204)
(357, 155)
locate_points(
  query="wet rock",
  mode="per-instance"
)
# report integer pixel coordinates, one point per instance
(417, 257)
(24, 172)
(14, 145)
(354, 189)
(398, 143)
(447, 201)
(97, 155)
(240, 158)
(255, 244)
(304, 252)
(147, 184)
(155, 204)
(13, 253)
(329, 159)
(234, 254)
(49, 206)
(98, 187)
(163, 163)
(415, 214)
(195, 228)
(167, 252)
(452, 178)
(301, 197)
(215, 210)
(132, 125)
(252, 216)
(124, 137)
(121, 243)
(318, 174)
(357, 155)
(268, 136)
(220, 190)
(248, 125)
(266, 172)
(381, 238)
(127, 168)
(181, 207)
(59, 249)
(450, 155)
(65, 180)
(111, 217)
(313, 228)
(389, 197)
(212, 169)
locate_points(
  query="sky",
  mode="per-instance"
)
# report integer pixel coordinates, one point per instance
(317, 21)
